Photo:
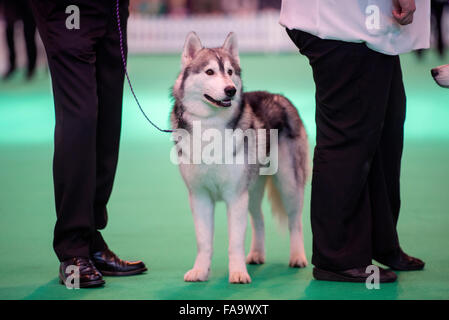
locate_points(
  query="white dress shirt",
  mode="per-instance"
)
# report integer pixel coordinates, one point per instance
(369, 21)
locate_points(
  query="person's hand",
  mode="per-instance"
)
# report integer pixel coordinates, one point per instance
(403, 11)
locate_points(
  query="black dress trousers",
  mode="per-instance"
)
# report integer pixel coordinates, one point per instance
(360, 114)
(87, 79)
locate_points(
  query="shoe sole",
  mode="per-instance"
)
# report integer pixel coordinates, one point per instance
(416, 268)
(90, 284)
(123, 273)
(324, 275)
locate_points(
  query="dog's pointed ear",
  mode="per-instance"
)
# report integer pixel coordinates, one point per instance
(231, 46)
(191, 48)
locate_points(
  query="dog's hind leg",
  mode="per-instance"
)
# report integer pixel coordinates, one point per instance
(237, 221)
(294, 207)
(257, 252)
(203, 215)
(290, 183)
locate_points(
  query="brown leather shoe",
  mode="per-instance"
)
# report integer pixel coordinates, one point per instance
(352, 275)
(402, 262)
(89, 276)
(110, 265)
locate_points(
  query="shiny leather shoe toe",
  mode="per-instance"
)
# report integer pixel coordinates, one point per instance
(402, 262)
(89, 276)
(110, 265)
(352, 275)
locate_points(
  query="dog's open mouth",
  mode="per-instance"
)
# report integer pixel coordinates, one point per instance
(226, 103)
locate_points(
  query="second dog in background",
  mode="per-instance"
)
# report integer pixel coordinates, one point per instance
(441, 75)
(209, 91)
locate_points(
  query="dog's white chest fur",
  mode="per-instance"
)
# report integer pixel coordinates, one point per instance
(221, 180)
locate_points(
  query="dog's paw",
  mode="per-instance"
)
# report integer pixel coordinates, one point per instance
(255, 257)
(298, 261)
(239, 277)
(196, 275)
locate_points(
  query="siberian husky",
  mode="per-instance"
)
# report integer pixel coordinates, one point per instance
(209, 99)
(441, 75)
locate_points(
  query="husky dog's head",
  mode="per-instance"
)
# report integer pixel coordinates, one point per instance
(209, 82)
(441, 75)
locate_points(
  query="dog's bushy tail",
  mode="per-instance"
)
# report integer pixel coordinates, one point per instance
(277, 206)
(300, 158)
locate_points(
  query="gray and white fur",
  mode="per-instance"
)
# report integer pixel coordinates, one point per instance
(209, 90)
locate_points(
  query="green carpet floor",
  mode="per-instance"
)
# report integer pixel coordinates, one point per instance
(149, 213)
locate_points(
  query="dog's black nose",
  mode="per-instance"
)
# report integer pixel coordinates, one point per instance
(230, 91)
(434, 72)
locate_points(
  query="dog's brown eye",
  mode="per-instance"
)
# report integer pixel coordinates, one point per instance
(210, 72)
(230, 72)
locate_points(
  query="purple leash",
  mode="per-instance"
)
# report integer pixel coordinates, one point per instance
(126, 70)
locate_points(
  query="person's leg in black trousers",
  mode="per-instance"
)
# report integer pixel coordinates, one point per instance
(20, 11)
(438, 9)
(384, 182)
(87, 77)
(29, 31)
(71, 57)
(9, 32)
(437, 14)
(385, 179)
(109, 68)
(357, 120)
(353, 84)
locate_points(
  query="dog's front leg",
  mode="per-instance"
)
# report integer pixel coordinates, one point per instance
(203, 215)
(237, 221)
